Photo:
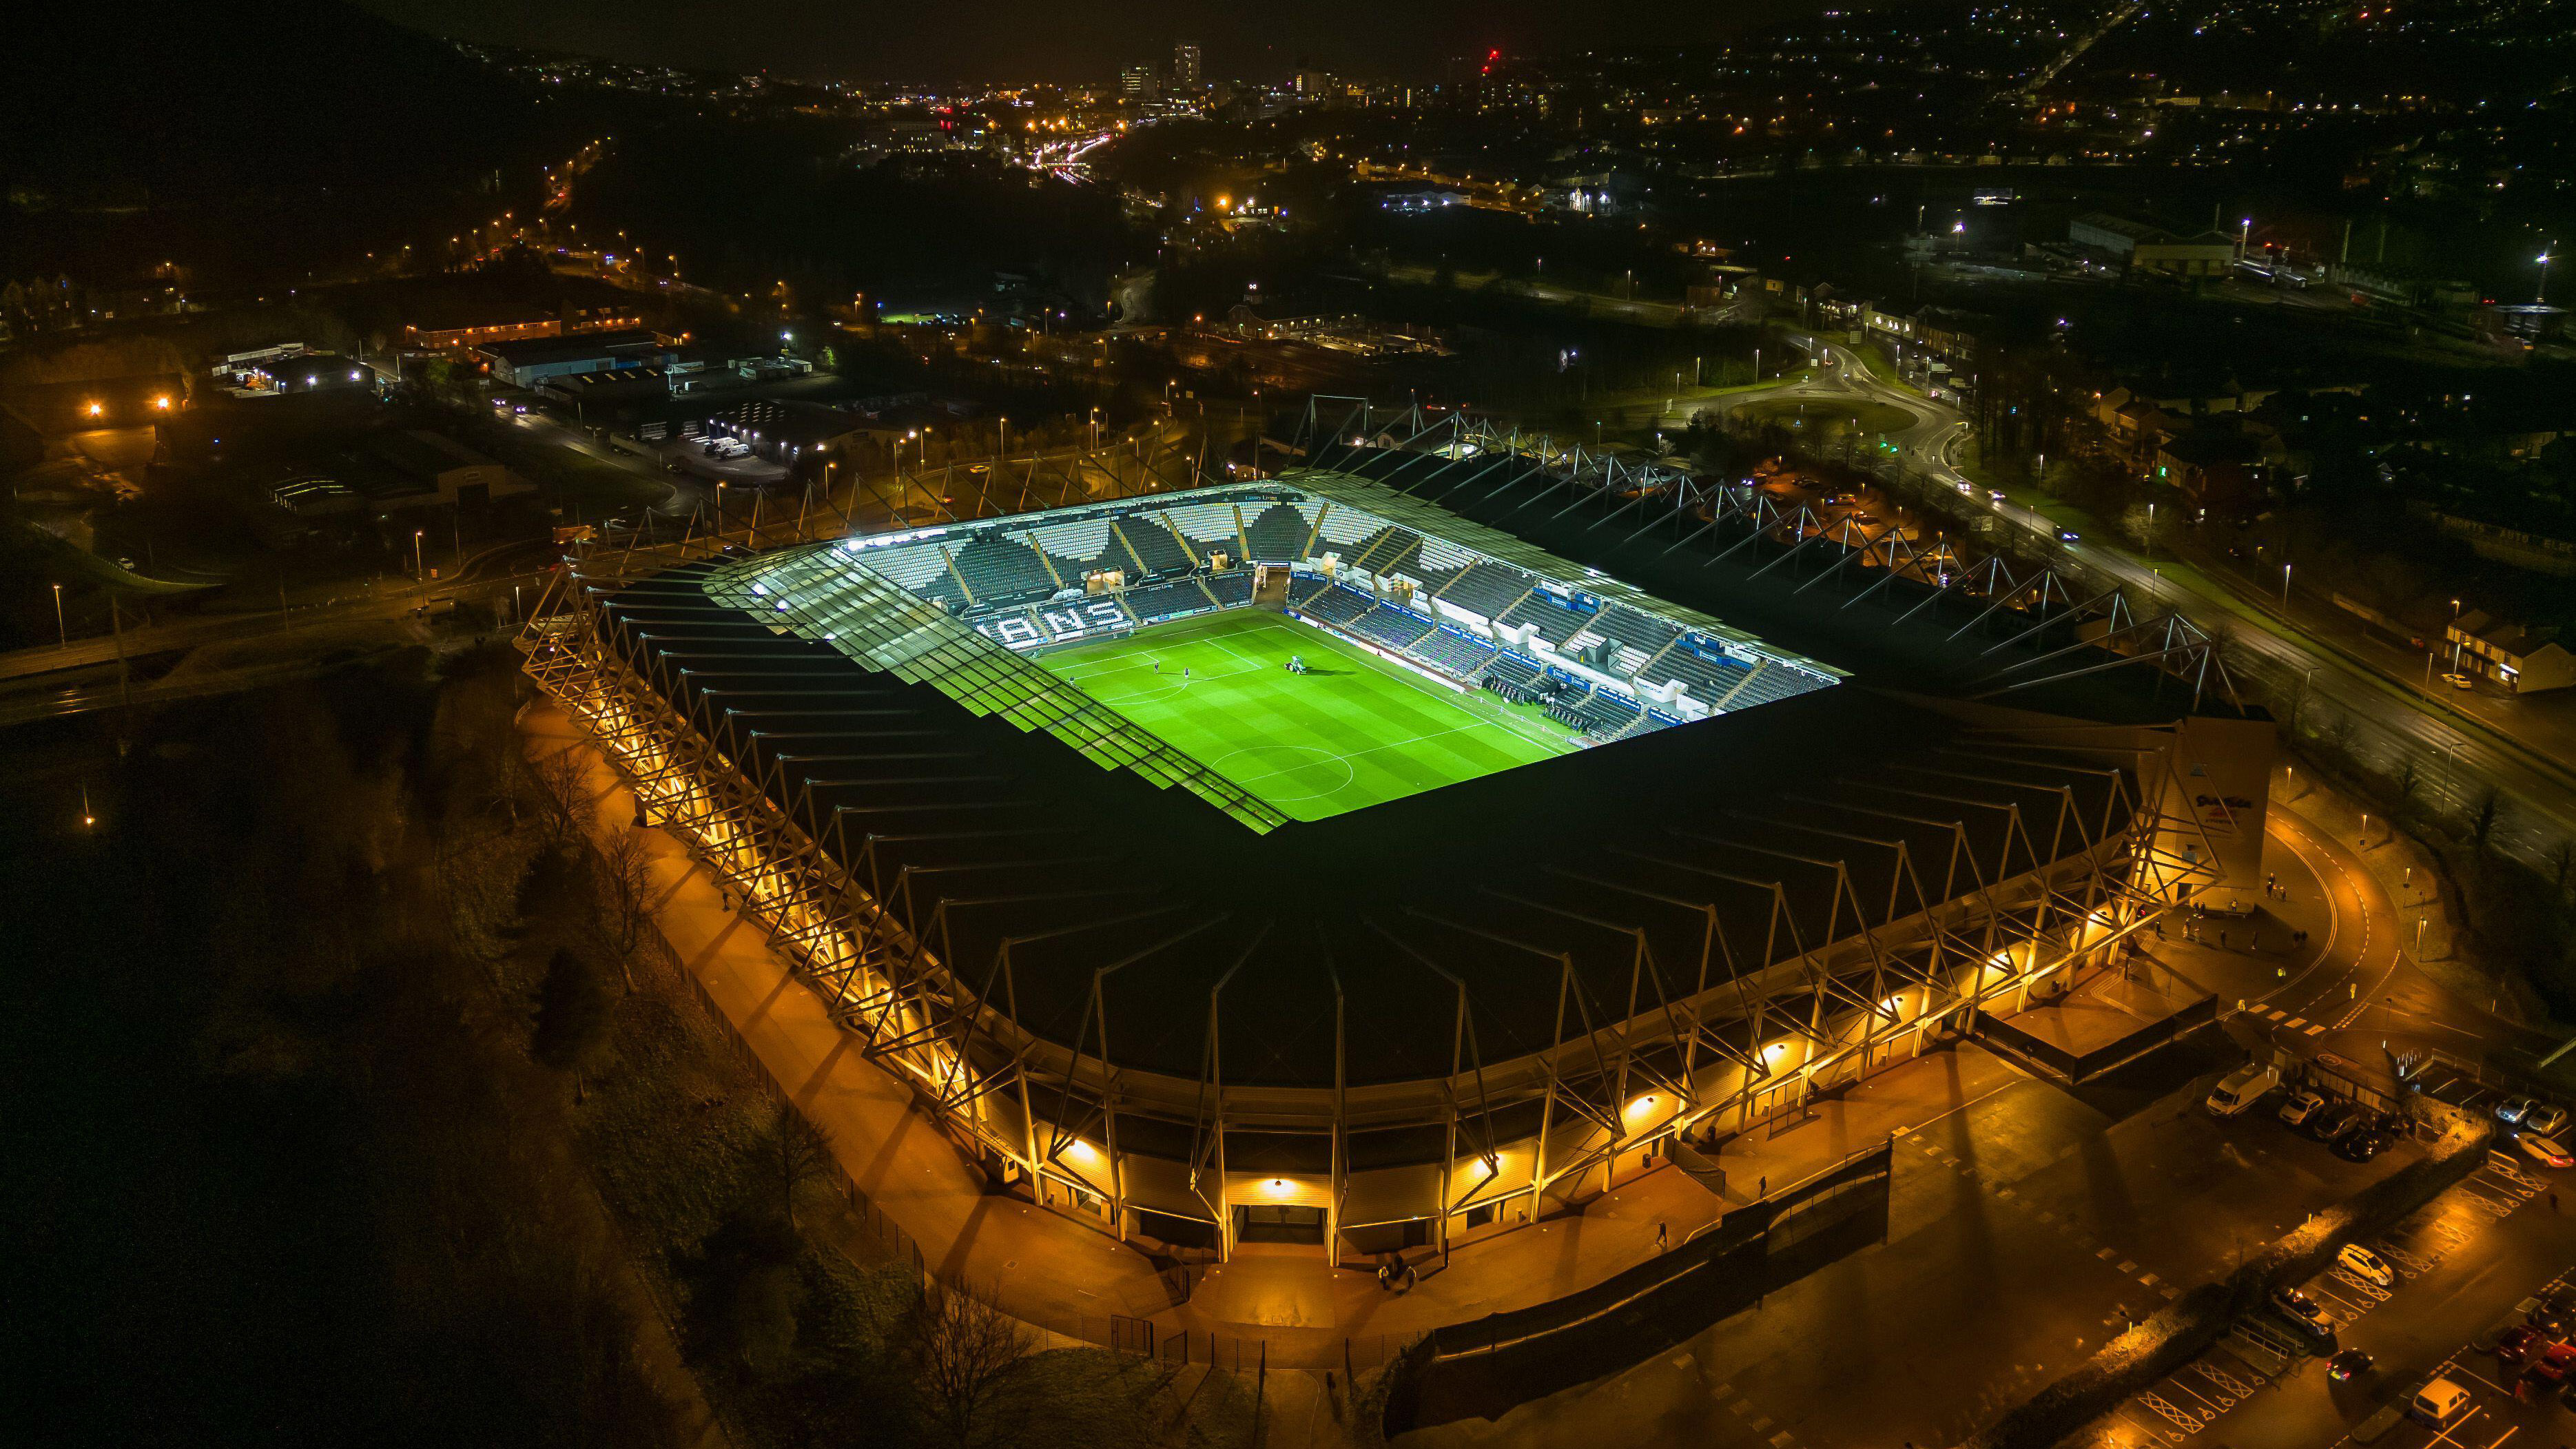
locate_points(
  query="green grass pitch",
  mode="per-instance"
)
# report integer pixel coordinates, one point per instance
(1354, 731)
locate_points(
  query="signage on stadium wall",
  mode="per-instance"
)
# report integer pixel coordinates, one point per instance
(1095, 618)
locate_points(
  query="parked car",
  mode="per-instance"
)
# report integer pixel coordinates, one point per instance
(2336, 1120)
(2518, 1346)
(2554, 1312)
(2553, 1362)
(2303, 1311)
(2363, 1145)
(2242, 1088)
(2545, 1118)
(2511, 1109)
(2543, 1150)
(2300, 1107)
(2459, 681)
(2366, 1265)
(2440, 1403)
(2348, 1365)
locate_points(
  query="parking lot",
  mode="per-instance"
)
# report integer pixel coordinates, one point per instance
(2466, 1266)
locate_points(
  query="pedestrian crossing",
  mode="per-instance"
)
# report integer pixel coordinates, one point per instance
(2278, 1017)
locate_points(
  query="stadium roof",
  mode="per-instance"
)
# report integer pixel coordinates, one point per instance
(1115, 917)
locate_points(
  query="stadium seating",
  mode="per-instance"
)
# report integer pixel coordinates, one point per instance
(1166, 600)
(1340, 604)
(1486, 590)
(1709, 680)
(1627, 626)
(1393, 627)
(1512, 677)
(1452, 653)
(1078, 548)
(1154, 545)
(1233, 588)
(910, 567)
(1208, 525)
(1303, 588)
(1555, 622)
(1277, 533)
(1000, 570)
(1348, 530)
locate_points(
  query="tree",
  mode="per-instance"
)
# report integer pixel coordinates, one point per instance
(2483, 819)
(2409, 781)
(798, 1151)
(573, 1008)
(563, 795)
(625, 898)
(963, 1348)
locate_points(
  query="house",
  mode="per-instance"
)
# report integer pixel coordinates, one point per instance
(2521, 658)
(2215, 467)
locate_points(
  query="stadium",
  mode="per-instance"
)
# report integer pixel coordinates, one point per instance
(1305, 860)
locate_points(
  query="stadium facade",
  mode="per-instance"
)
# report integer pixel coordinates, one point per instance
(1140, 993)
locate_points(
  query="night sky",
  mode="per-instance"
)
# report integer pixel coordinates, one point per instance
(1048, 39)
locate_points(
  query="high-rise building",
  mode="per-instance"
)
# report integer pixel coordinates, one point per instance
(1140, 83)
(1185, 67)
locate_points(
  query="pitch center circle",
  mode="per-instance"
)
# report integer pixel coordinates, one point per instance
(1264, 768)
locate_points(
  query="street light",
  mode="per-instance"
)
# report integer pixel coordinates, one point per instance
(2285, 586)
(2541, 298)
(61, 628)
(419, 571)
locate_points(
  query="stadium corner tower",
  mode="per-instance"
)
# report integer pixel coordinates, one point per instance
(1306, 860)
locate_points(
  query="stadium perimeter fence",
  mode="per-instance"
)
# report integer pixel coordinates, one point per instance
(1485, 1368)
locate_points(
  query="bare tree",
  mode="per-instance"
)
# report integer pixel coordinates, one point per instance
(963, 1348)
(2483, 819)
(2562, 862)
(799, 1152)
(563, 795)
(625, 897)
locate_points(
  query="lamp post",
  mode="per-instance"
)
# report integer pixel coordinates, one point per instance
(419, 573)
(2541, 297)
(2285, 586)
(61, 629)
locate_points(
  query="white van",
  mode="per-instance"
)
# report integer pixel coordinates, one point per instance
(2440, 1403)
(2242, 1088)
(2366, 1265)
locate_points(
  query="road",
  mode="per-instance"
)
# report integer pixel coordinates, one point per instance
(2460, 755)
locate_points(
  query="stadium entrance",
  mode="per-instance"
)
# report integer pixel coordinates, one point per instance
(1279, 1223)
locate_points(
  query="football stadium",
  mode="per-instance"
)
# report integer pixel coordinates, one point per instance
(1389, 852)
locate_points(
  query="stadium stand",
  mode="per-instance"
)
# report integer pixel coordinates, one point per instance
(1001, 570)
(1277, 534)
(1452, 653)
(1079, 548)
(1346, 530)
(910, 567)
(1152, 544)
(1709, 681)
(1233, 588)
(1209, 525)
(1171, 600)
(1487, 589)
(1556, 623)
(1388, 625)
(1303, 588)
(1340, 604)
(1626, 626)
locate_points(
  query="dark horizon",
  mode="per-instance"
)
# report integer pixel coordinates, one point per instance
(1015, 40)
